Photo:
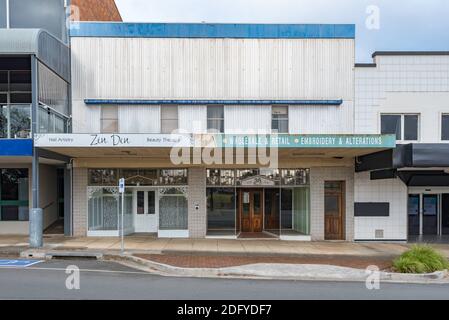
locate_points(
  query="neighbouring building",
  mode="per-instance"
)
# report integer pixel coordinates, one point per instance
(403, 193)
(34, 98)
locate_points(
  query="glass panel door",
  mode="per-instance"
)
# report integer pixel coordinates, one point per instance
(430, 214)
(413, 209)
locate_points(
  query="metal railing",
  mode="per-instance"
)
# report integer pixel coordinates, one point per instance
(15, 121)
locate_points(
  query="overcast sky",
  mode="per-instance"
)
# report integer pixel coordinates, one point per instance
(402, 24)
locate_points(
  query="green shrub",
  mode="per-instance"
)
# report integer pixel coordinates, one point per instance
(420, 259)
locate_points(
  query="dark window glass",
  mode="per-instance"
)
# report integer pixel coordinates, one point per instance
(430, 205)
(391, 124)
(20, 81)
(413, 205)
(410, 127)
(140, 202)
(286, 208)
(22, 97)
(151, 202)
(4, 81)
(445, 127)
(3, 98)
(272, 209)
(14, 194)
(221, 209)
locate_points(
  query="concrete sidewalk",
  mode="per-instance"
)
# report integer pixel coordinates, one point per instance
(152, 245)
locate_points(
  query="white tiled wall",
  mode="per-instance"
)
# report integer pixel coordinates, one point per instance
(403, 84)
(393, 191)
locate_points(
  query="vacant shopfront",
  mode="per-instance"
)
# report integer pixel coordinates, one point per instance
(258, 203)
(155, 202)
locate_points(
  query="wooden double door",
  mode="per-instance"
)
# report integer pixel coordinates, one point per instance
(250, 209)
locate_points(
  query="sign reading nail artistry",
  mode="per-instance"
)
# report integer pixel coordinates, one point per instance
(112, 140)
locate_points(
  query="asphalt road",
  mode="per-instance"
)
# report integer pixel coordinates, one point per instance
(109, 280)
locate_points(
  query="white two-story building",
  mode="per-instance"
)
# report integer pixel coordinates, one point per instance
(243, 131)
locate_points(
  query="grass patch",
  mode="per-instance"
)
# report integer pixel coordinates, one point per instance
(420, 259)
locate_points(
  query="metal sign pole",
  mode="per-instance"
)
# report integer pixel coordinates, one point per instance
(122, 229)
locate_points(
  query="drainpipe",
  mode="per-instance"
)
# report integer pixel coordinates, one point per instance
(36, 213)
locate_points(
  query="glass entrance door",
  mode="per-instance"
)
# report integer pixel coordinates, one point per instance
(146, 210)
(430, 214)
(423, 214)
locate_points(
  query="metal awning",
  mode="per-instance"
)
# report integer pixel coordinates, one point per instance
(47, 48)
(413, 155)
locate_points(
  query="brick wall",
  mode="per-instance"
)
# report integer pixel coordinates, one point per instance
(79, 202)
(318, 175)
(197, 195)
(97, 10)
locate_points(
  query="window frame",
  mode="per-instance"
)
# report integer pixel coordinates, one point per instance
(169, 119)
(222, 119)
(402, 119)
(287, 118)
(102, 118)
(443, 114)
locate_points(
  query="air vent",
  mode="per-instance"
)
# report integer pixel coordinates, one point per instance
(379, 234)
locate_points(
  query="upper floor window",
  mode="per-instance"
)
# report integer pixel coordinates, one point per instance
(279, 119)
(445, 127)
(215, 118)
(109, 119)
(404, 126)
(169, 118)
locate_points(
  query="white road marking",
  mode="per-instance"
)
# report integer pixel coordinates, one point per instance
(82, 270)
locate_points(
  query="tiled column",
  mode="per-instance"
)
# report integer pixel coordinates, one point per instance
(318, 175)
(197, 196)
(79, 202)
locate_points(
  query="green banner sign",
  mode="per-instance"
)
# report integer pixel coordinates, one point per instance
(306, 141)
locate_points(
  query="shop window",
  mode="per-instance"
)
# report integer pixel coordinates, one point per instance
(14, 194)
(173, 177)
(169, 118)
(139, 177)
(103, 177)
(104, 207)
(215, 119)
(220, 177)
(404, 126)
(292, 177)
(173, 209)
(221, 207)
(445, 127)
(109, 119)
(279, 119)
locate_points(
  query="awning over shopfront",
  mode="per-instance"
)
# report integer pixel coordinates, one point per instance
(415, 164)
(414, 155)
(159, 145)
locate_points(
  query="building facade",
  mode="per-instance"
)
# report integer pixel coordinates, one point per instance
(219, 130)
(406, 94)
